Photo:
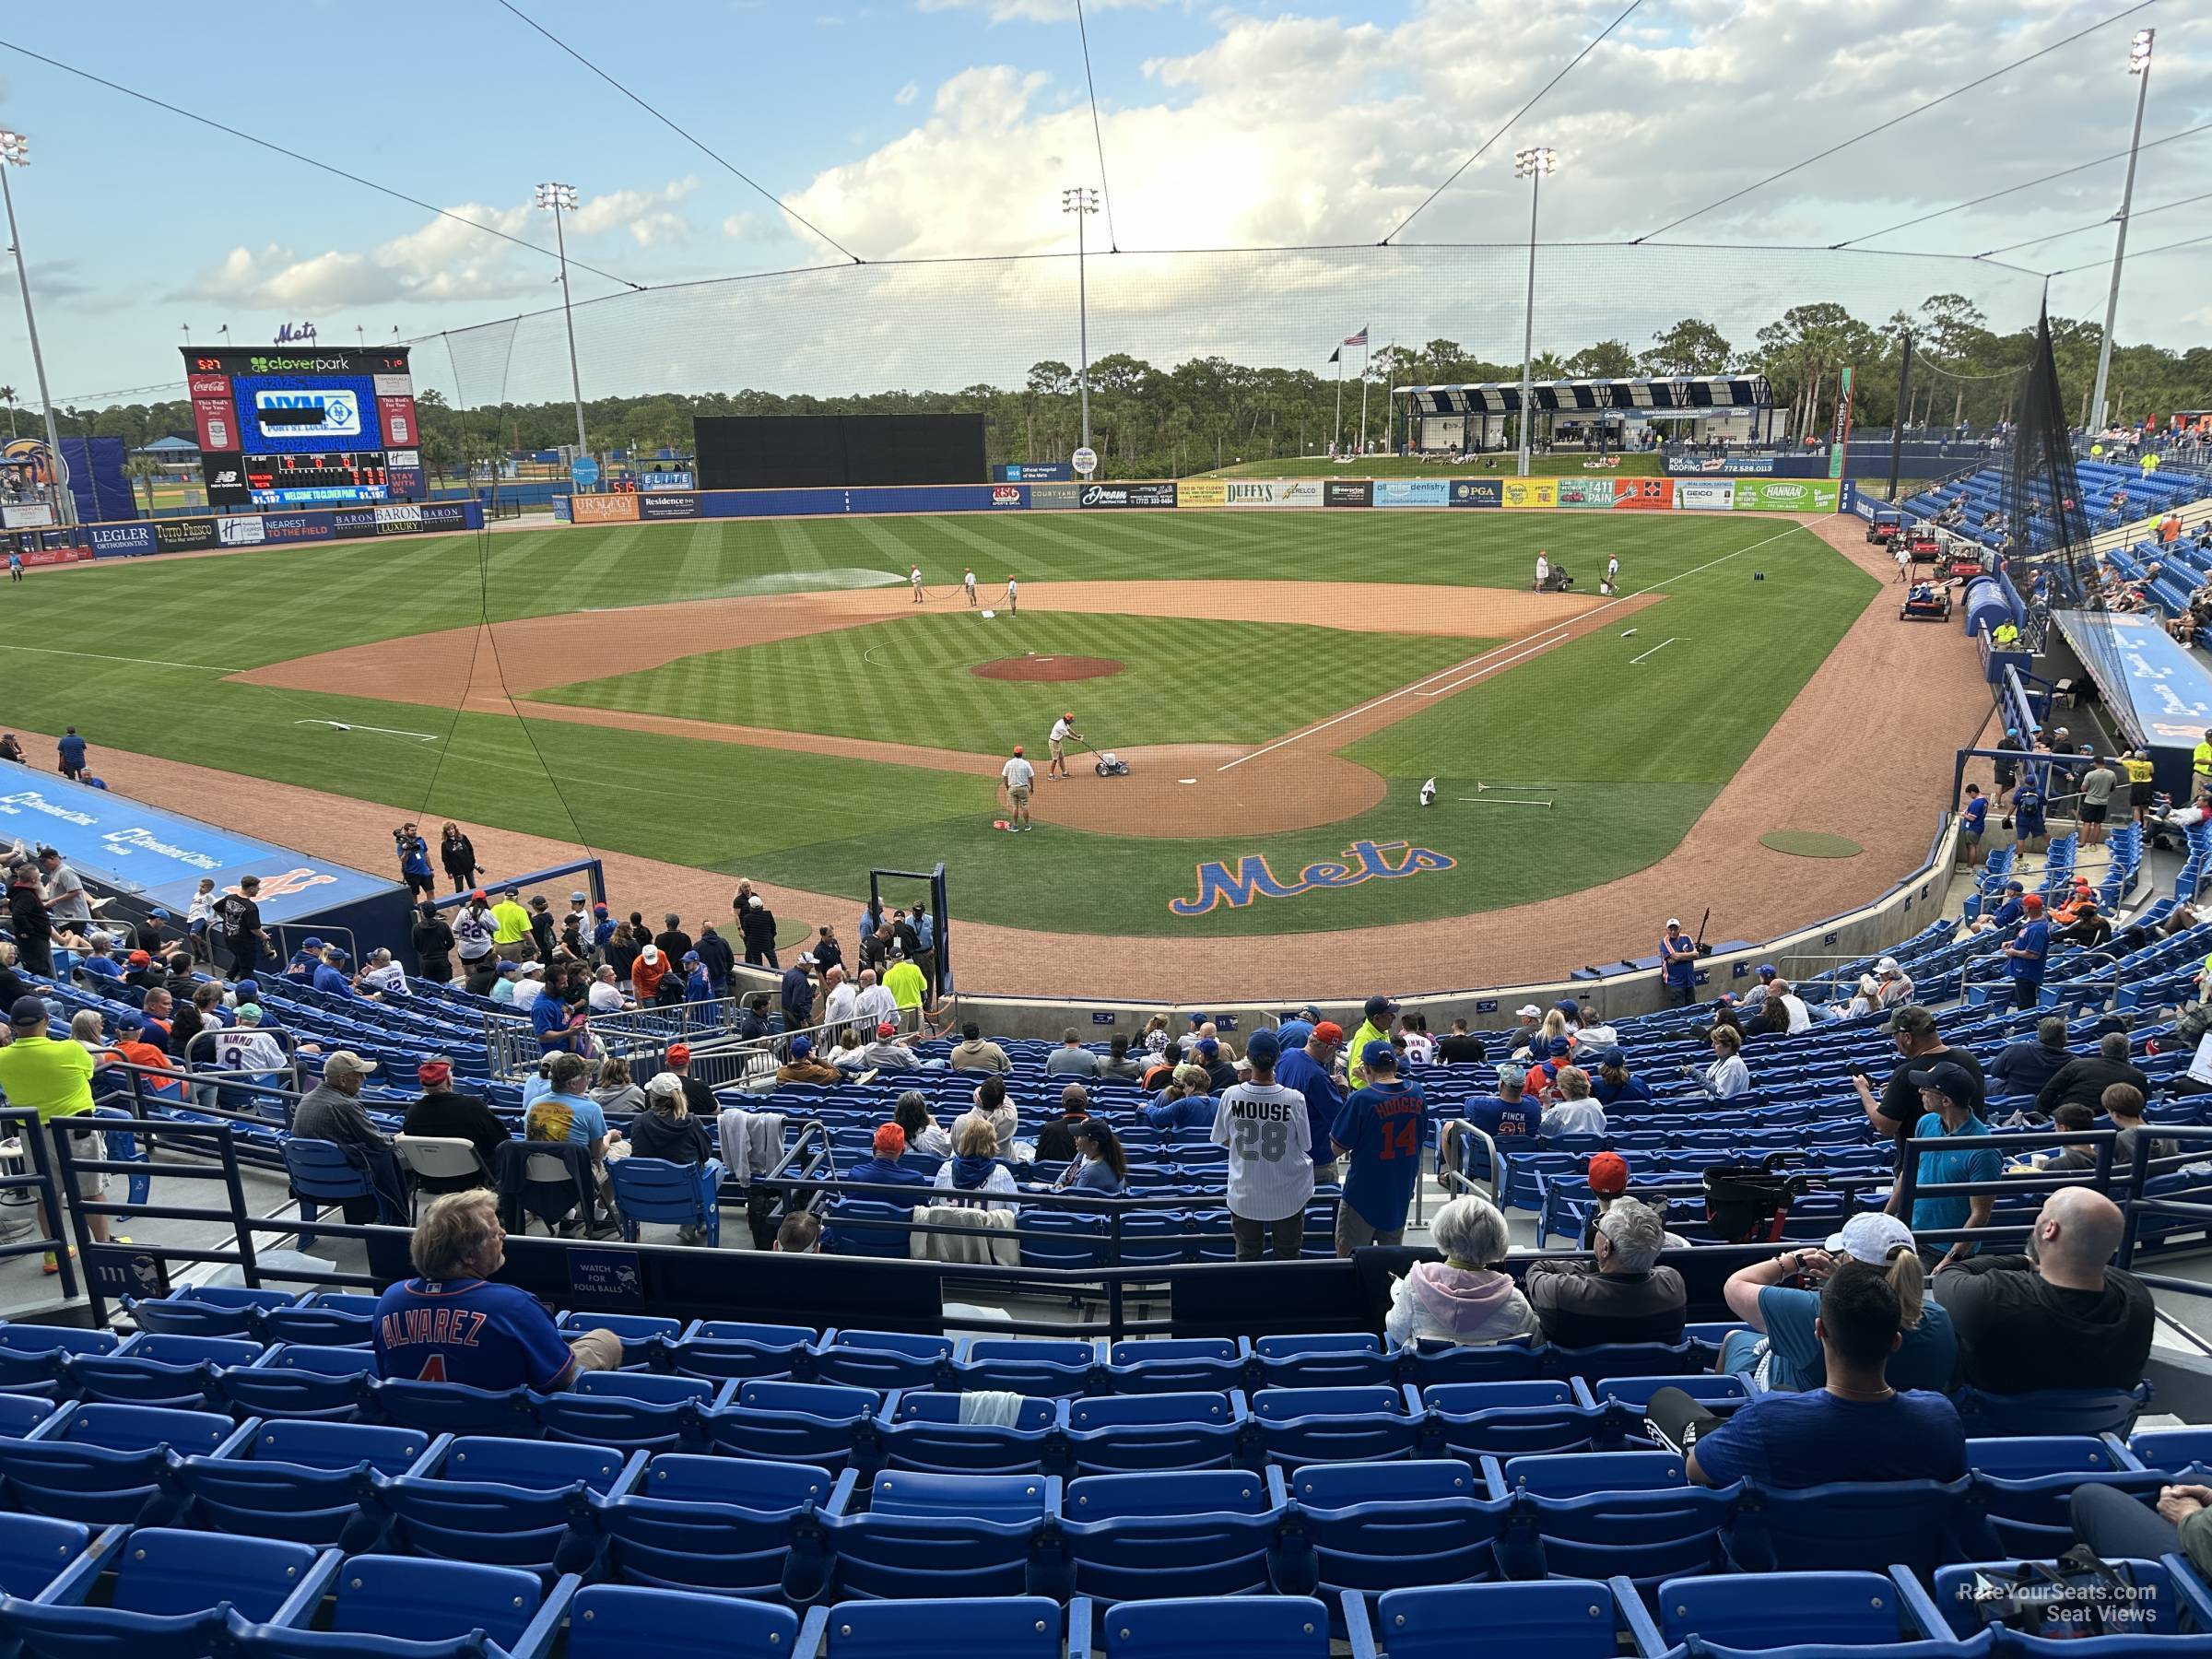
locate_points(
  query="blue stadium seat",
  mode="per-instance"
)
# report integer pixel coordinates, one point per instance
(107, 1465)
(2052, 1411)
(1852, 1525)
(1280, 1626)
(1018, 1626)
(1130, 1434)
(1141, 1537)
(207, 1310)
(44, 1559)
(921, 1429)
(2169, 1600)
(1335, 1425)
(387, 1606)
(171, 1595)
(883, 1359)
(614, 1621)
(307, 1481)
(730, 1350)
(632, 1411)
(2172, 1448)
(1773, 1610)
(450, 1407)
(1426, 1364)
(2024, 1484)
(1509, 1419)
(924, 1537)
(1332, 1361)
(1563, 1618)
(326, 1320)
(1399, 1525)
(32, 1354)
(1620, 1513)
(157, 1369)
(1178, 1364)
(818, 1423)
(506, 1503)
(299, 1379)
(654, 1192)
(1046, 1369)
(716, 1525)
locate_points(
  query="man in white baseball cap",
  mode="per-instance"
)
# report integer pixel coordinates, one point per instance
(1780, 1299)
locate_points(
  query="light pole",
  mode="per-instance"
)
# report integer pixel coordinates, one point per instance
(1081, 201)
(2138, 64)
(1531, 164)
(554, 197)
(14, 151)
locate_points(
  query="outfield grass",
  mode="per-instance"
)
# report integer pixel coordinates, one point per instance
(135, 653)
(1185, 679)
(1640, 464)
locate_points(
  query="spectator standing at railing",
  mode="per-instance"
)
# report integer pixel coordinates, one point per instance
(840, 1000)
(648, 973)
(475, 930)
(910, 990)
(1951, 1099)
(798, 998)
(511, 928)
(1264, 1127)
(716, 957)
(53, 1079)
(872, 1005)
(1311, 1070)
(542, 930)
(1382, 1132)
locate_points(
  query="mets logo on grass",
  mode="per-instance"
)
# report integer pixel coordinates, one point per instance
(1363, 861)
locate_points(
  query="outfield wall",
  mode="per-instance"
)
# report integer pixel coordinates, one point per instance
(1599, 491)
(196, 533)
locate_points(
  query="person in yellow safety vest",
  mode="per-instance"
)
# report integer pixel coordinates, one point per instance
(1380, 1011)
(510, 922)
(2004, 636)
(2138, 768)
(2200, 767)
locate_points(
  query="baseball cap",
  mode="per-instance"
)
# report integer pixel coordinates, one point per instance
(130, 1020)
(1310, 1014)
(678, 1053)
(431, 1071)
(512, 891)
(28, 1011)
(346, 1060)
(1512, 1074)
(139, 958)
(510, 969)
(1263, 1047)
(651, 953)
(2032, 904)
(890, 1141)
(1953, 1082)
(1292, 1033)
(248, 1013)
(1380, 1007)
(534, 969)
(1378, 1052)
(1613, 1057)
(157, 915)
(1870, 1236)
(311, 942)
(2014, 887)
(1207, 1045)
(1069, 714)
(1198, 1019)
(1608, 1174)
(690, 956)
(481, 896)
(1557, 1047)
(886, 1030)
(598, 910)
(1328, 1030)
(1674, 920)
(1888, 965)
(1911, 1017)
(1528, 1011)
(1569, 1006)
(664, 1083)
(801, 1047)
(248, 991)
(1767, 970)
(580, 897)
(1016, 750)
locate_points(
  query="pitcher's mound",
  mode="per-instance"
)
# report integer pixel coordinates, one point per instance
(1047, 668)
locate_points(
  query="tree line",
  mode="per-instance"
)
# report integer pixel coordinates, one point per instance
(1208, 412)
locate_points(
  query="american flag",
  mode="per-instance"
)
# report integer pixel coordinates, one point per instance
(1359, 338)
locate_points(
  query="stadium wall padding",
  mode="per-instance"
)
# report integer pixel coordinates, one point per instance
(192, 533)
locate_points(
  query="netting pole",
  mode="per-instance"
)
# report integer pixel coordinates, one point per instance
(2138, 65)
(1897, 420)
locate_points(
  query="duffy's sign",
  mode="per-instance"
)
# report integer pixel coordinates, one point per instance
(1363, 861)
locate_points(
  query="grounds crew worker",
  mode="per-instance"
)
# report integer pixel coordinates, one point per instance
(2200, 765)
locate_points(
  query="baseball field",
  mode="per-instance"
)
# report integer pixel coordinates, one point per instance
(766, 700)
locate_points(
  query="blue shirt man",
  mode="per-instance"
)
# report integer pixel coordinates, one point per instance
(2028, 811)
(471, 1332)
(72, 749)
(1949, 1093)
(1191, 1112)
(1298, 1069)
(1812, 1439)
(2013, 907)
(1380, 1130)
(414, 856)
(331, 980)
(699, 984)
(886, 1168)
(1974, 817)
(2031, 948)
(797, 997)
(1678, 963)
(555, 1024)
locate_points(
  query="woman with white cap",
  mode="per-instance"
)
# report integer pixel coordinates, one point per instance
(1780, 1299)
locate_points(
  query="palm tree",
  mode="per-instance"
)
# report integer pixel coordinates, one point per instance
(7, 397)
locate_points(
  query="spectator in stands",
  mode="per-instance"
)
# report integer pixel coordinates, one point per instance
(1783, 1350)
(674, 942)
(667, 1130)
(1380, 1130)
(1756, 998)
(529, 985)
(2088, 931)
(1574, 1112)
(757, 927)
(440, 1113)
(840, 999)
(332, 1111)
(1221, 1071)
(1155, 1034)
(1950, 1096)
(507, 1340)
(1463, 1298)
(889, 1051)
(1071, 1059)
(432, 938)
(1457, 1047)
(845, 1050)
(883, 1167)
(618, 1097)
(1102, 1165)
(922, 1133)
(697, 1095)
(1624, 1295)
(2123, 1104)
(873, 1005)
(1264, 1127)
(716, 957)
(511, 928)
(2008, 771)
(1117, 1063)
(1187, 1103)
(752, 1017)
(1056, 1140)
(993, 1108)
(1509, 1113)
(458, 854)
(800, 1234)
(1612, 1083)
(804, 1067)
(1896, 1112)
(2096, 786)
(2060, 1316)
(1528, 1028)
(1311, 1068)
(474, 931)
(1857, 1426)
(1867, 998)
(2085, 1077)
(974, 1168)
(54, 1079)
(1677, 965)
(1159, 1071)
(909, 987)
(1374, 1027)
(2024, 1067)
(649, 974)
(13, 985)
(2009, 910)
(30, 921)
(1727, 1076)
(605, 995)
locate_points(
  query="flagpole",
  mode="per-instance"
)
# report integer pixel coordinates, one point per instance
(1364, 359)
(1390, 403)
(1336, 433)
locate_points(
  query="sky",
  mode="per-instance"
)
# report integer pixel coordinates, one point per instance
(932, 140)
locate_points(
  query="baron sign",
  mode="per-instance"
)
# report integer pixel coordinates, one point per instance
(1363, 861)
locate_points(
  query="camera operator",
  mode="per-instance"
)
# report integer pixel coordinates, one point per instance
(414, 861)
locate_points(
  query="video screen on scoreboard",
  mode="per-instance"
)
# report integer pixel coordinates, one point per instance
(305, 428)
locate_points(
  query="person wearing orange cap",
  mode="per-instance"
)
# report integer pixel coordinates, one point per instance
(1063, 732)
(1016, 778)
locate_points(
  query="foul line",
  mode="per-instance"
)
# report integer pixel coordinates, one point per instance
(1521, 646)
(1655, 649)
(101, 656)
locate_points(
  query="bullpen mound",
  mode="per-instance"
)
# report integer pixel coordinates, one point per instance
(1048, 668)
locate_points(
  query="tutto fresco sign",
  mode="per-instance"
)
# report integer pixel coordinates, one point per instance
(1363, 861)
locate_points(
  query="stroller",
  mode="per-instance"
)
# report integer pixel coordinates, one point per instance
(1748, 1202)
(1109, 764)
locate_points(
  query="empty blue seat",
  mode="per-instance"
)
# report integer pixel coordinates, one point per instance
(634, 1411)
(883, 1359)
(1280, 1626)
(2172, 1448)
(1018, 1626)
(31, 1354)
(1178, 1364)
(654, 1192)
(1562, 1618)
(719, 1524)
(107, 1465)
(920, 1429)
(42, 1559)
(506, 1503)
(1426, 1364)
(1128, 1434)
(393, 1604)
(449, 1407)
(170, 1597)
(731, 1350)
(2052, 1411)
(924, 1537)
(301, 1380)
(817, 1423)
(207, 1310)
(1511, 1419)
(157, 1369)
(1049, 1369)
(308, 1481)
(1141, 1537)
(1344, 1360)
(1335, 1425)
(1849, 1525)
(1397, 1525)
(1578, 1477)
(1773, 1610)
(616, 1621)
(327, 1320)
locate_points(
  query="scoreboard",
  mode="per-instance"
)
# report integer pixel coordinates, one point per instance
(285, 427)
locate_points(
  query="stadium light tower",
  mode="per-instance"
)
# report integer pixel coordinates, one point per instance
(14, 151)
(2138, 65)
(1531, 164)
(556, 197)
(1082, 201)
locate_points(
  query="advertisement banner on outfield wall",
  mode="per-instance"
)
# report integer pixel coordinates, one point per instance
(1276, 492)
(604, 508)
(1478, 492)
(1345, 493)
(669, 506)
(1586, 492)
(351, 523)
(1531, 492)
(1413, 492)
(33, 558)
(1783, 495)
(296, 526)
(184, 535)
(1128, 495)
(122, 541)
(1698, 495)
(561, 510)
(1055, 497)
(1202, 492)
(1643, 495)
(242, 530)
(1033, 472)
